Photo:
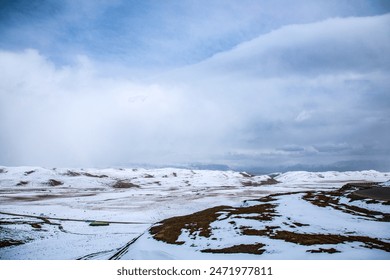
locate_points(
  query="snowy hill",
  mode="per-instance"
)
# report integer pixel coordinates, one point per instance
(217, 214)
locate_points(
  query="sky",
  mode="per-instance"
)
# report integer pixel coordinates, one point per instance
(260, 85)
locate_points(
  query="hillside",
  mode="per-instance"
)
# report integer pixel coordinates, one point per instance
(192, 214)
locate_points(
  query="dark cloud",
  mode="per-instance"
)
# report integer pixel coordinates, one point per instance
(311, 95)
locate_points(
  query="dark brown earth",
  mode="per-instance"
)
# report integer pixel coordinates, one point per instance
(316, 239)
(351, 191)
(170, 229)
(199, 223)
(378, 193)
(93, 175)
(242, 248)
(10, 242)
(76, 174)
(322, 250)
(124, 185)
(54, 183)
(270, 181)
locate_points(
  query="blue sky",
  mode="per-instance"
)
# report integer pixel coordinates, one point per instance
(273, 85)
(157, 33)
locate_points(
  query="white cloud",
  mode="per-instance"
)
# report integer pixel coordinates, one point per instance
(305, 85)
(74, 116)
(308, 86)
(304, 115)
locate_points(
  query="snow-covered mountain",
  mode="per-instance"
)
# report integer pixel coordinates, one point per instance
(217, 214)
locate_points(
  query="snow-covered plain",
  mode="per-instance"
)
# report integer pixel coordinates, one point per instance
(45, 214)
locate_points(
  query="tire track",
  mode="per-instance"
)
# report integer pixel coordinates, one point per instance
(124, 249)
(46, 219)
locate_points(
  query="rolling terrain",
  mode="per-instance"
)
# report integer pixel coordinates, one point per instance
(192, 214)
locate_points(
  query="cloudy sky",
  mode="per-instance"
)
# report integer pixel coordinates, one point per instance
(259, 85)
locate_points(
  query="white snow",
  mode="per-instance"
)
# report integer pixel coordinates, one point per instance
(162, 193)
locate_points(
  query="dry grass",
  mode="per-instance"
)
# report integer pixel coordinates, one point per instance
(72, 174)
(322, 250)
(242, 248)
(76, 174)
(124, 185)
(54, 183)
(246, 175)
(308, 239)
(270, 181)
(332, 199)
(376, 193)
(10, 242)
(94, 176)
(265, 212)
(198, 224)
(170, 229)
(36, 225)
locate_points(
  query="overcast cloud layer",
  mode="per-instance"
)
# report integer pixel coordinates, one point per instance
(248, 84)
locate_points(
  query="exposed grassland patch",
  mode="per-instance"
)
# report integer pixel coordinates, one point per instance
(36, 225)
(322, 250)
(265, 211)
(376, 193)
(99, 223)
(308, 239)
(249, 183)
(72, 174)
(94, 175)
(76, 174)
(10, 242)
(124, 184)
(54, 183)
(242, 248)
(246, 175)
(170, 229)
(332, 199)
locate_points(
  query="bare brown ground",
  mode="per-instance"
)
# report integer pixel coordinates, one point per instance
(378, 193)
(124, 185)
(351, 191)
(322, 250)
(264, 212)
(54, 183)
(169, 230)
(316, 239)
(76, 174)
(242, 248)
(270, 181)
(10, 242)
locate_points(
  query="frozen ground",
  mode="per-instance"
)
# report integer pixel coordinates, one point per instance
(46, 214)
